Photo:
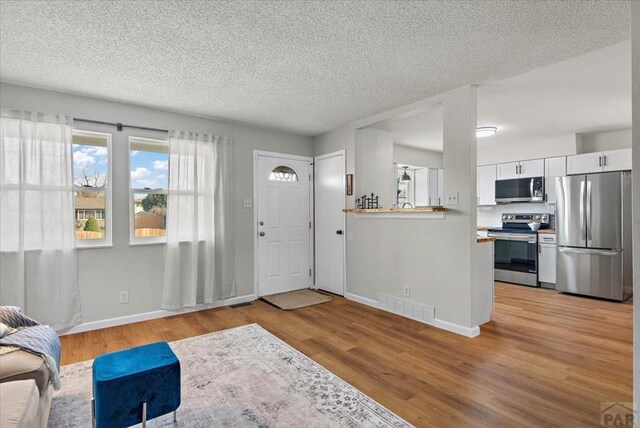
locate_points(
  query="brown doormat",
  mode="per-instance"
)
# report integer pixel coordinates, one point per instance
(297, 299)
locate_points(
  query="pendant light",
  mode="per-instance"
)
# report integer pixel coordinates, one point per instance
(405, 176)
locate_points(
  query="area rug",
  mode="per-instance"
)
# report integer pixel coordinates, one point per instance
(297, 299)
(241, 377)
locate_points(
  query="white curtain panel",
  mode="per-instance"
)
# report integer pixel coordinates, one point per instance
(199, 263)
(38, 258)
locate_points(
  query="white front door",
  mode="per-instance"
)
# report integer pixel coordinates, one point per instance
(330, 222)
(284, 224)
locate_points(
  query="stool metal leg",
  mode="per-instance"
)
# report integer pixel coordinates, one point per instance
(144, 414)
(93, 412)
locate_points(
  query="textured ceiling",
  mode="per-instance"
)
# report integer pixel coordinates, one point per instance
(300, 66)
(584, 94)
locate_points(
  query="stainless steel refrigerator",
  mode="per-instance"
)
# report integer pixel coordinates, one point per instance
(593, 226)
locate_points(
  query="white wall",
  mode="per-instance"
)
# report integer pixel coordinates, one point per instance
(605, 140)
(434, 257)
(489, 152)
(635, 52)
(104, 272)
(374, 165)
(407, 155)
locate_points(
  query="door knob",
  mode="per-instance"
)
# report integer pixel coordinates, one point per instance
(339, 232)
(262, 223)
(261, 233)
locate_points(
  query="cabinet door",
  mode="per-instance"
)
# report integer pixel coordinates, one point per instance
(508, 170)
(547, 263)
(440, 186)
(433, 186)
(486, 185)
(421, 186)
(617, 160)
(584, 164)
(532, 168)
(553, 168)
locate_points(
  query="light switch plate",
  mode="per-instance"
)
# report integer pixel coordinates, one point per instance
(246, 203)
(452, 198)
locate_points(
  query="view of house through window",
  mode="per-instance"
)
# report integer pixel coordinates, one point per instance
(91, 184)
(149, 165)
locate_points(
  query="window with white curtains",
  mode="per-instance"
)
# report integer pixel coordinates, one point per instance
(38, 259)
(200, 252)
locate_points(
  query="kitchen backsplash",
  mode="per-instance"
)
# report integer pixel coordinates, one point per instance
(492, 215)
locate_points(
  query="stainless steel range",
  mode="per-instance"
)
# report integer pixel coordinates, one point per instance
(516, 248)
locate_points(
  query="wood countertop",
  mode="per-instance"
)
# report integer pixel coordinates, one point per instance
(394, 210)
(485, 239)
(547, 231)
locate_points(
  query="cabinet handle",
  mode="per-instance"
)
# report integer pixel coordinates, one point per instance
(600, 161)
(604, 158)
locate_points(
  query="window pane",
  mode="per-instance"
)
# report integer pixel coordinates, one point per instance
(90, 215)
(150, 214)
(90, 161)
(149, 162)
(283, 173)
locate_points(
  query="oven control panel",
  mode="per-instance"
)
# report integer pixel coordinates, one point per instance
(542, 218)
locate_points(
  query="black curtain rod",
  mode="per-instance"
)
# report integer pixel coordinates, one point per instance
(119, 126)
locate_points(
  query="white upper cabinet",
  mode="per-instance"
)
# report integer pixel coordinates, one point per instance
(440, 186)
(522, 169)
(508, 170)
(421, 186)
(617, 160)
(531, 168)
(553, 168)
(613, 160)
(486, 185)
(585, 163)
(433, 187)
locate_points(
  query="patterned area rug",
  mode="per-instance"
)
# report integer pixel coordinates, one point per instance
(241, 377)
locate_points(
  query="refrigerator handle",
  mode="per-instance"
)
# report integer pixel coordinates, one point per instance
(582, 197)
(588, 207)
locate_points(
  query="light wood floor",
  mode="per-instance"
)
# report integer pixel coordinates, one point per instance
(545, 359)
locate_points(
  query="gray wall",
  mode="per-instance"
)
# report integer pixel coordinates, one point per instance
(406, 155)
(140, 269)
(635, 52)
(374, 164)
(606, 140)
(434, 257)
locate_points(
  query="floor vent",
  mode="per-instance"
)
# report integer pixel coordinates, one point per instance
(406, 308)
(240, 305)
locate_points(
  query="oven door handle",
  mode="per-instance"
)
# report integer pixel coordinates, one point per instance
(512, 237)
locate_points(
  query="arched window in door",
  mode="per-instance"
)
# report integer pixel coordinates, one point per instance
(283, 173)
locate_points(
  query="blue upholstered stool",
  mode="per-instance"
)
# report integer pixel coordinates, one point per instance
(134, 385)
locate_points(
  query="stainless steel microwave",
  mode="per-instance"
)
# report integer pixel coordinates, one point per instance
(520, 190)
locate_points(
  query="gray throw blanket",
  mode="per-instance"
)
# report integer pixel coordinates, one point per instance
(38, 339)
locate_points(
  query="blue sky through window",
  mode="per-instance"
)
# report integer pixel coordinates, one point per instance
(90, 165)
(149, 169)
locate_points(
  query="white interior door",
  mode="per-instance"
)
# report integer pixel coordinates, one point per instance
(283, 224)
(330, 222)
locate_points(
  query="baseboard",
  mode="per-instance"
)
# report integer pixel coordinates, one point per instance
(128, 319)
(470, 332)
(457, 328)
(360, 299)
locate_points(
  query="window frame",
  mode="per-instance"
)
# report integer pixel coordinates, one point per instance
(149, 240)
(107, 241)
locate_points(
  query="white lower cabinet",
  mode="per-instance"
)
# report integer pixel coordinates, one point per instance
(547, 259)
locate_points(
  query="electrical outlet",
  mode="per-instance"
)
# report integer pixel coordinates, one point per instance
(452, 198)
(124, 297)
(247, 203)
(407, 290)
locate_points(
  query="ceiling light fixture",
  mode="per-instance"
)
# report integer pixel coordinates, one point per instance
(485, 131)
